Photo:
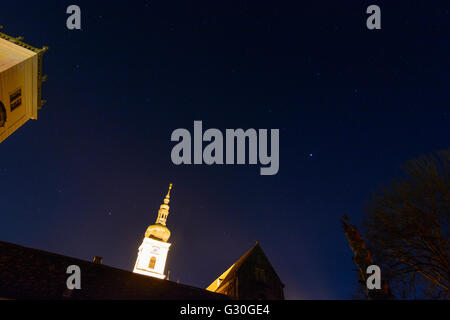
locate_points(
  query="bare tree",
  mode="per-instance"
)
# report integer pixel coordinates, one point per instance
(407, 228)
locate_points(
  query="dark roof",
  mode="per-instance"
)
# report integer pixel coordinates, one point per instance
(27, 273)
(255, 250)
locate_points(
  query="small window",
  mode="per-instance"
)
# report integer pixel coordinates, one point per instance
(152, 263)
(15, 99)
(260, 275)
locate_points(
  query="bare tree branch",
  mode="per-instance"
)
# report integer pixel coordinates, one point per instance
(407, 227)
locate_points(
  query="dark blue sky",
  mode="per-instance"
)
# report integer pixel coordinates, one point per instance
(351, 104)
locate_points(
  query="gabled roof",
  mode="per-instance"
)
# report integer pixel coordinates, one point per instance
(231, 272)
(27, 273)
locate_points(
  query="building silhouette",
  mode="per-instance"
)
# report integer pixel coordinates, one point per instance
(252, 277)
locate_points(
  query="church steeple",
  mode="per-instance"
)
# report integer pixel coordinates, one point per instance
(163, 211)
(153, 252)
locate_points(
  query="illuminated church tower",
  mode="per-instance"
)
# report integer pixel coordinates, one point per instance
(153, 251)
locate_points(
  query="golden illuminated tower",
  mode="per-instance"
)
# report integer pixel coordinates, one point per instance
(153, 251)
(20, 83)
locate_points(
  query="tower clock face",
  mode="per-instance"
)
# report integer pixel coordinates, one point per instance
(2, 115)
(155, 250)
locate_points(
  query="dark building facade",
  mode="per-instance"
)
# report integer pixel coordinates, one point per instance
(252, 277)
(27, 273)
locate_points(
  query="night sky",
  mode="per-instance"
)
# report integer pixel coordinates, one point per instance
(352, 105)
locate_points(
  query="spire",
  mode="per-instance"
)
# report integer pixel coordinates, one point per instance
(167, 198)
(163, 211)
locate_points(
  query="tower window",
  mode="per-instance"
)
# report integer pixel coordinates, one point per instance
(15, 99)
(152, 263)
(260, 275)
